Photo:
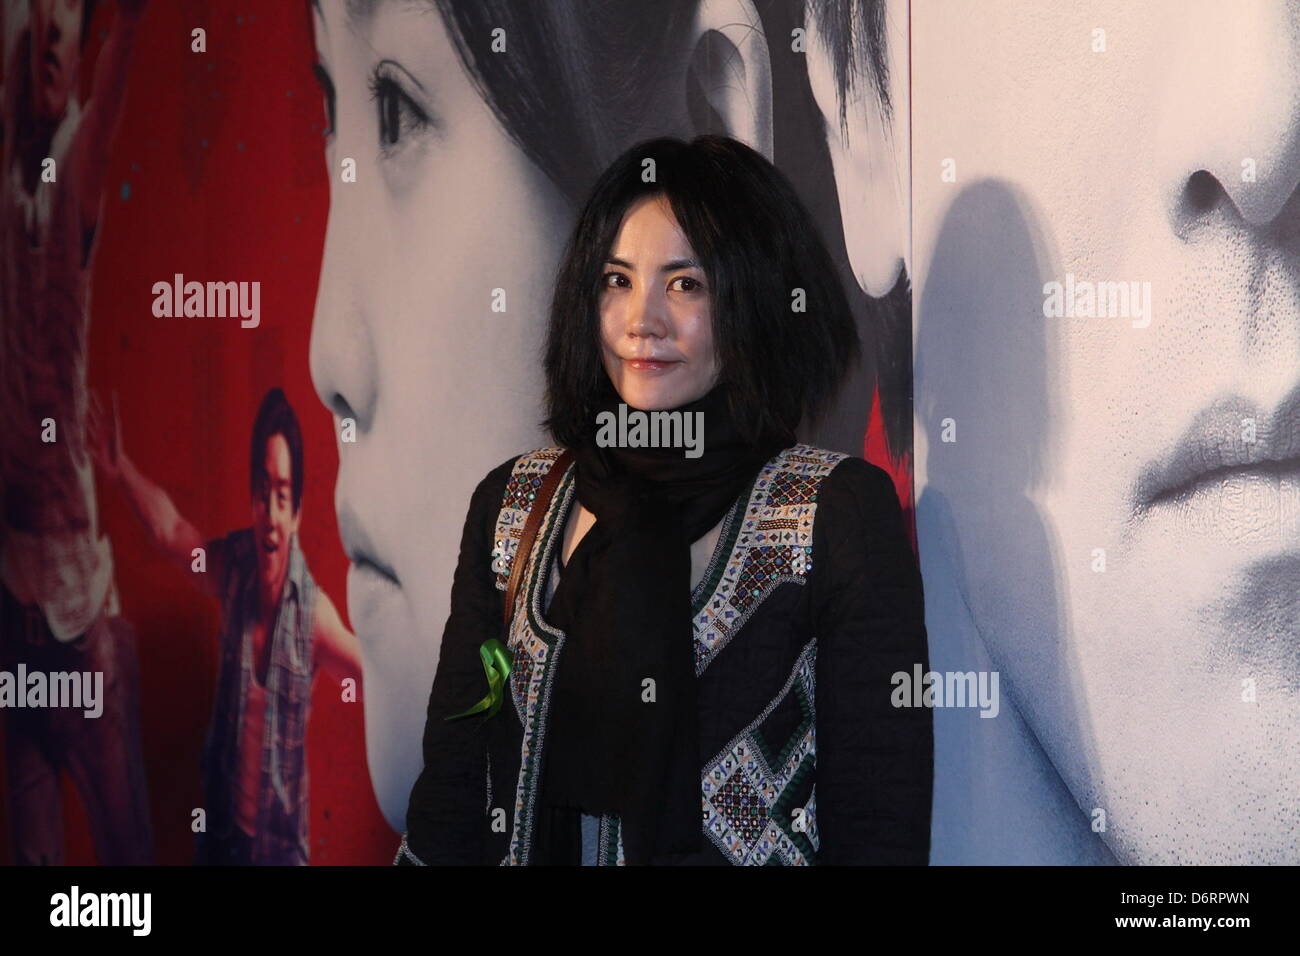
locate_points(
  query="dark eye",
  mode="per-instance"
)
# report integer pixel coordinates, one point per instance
(621, 279)
(398, 114)
(690, 284)
(327, 88)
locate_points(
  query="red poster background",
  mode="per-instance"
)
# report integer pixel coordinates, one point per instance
(217, 172)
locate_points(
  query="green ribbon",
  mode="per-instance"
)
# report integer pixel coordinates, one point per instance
(497, 662)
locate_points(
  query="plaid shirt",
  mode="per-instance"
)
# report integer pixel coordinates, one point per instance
(282, 814)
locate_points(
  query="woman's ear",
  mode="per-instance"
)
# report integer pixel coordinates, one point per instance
(729, 74)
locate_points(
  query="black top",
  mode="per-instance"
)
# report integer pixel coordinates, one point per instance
(861, 602)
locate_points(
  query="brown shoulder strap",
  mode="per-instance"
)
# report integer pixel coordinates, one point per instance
(531, 525)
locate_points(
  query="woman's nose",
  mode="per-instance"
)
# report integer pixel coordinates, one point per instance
(342, 352)
(648, 317)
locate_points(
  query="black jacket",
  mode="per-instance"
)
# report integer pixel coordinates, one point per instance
(810, 605)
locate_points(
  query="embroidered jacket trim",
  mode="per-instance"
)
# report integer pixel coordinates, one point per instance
(766, 540)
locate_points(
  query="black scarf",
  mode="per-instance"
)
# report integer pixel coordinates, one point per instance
(615, 742)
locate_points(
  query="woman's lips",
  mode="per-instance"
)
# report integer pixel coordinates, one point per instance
(651, 365)
(361, 550)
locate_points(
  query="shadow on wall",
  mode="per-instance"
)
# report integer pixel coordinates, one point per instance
(995, 588)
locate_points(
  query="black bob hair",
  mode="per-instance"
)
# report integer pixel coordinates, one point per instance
(275, 416)
(758, 247)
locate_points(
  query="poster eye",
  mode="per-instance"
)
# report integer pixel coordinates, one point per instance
(397, 114)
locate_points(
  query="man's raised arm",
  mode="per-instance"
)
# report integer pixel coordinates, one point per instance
(170, 533)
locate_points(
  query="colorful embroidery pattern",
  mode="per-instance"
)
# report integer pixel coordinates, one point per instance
(534, 658)
(749, 810)
(774, 545)
(532, 674)
(521, 489)
(747, 790)
(530, 650)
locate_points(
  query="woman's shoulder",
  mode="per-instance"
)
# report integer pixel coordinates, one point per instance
(504, 499)
(822, 465)
(816, 494)
(538, 461)
(514, 479)
(834, 480)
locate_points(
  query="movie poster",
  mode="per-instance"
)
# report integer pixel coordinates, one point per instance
(275, 283)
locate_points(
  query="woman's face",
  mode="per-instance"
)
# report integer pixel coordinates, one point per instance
(438, 264)
(656, 316)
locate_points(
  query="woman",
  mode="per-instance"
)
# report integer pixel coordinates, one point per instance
(714, 633)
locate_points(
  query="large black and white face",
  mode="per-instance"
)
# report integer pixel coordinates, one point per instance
(1122, 498)
(446, 222)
